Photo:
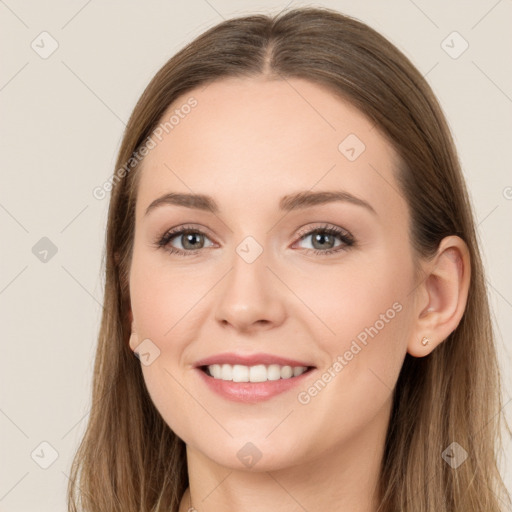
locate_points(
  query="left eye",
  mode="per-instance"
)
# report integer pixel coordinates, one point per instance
(324, 238)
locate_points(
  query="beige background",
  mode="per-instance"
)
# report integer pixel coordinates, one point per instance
(62, 120)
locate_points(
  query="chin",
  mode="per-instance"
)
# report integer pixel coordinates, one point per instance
(253, 456)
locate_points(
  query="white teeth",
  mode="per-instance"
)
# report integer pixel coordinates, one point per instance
(216, 370)
(240, 373)
(286, 372)
(297, 370)
(226, 372)
(258, 373)
(273, 372)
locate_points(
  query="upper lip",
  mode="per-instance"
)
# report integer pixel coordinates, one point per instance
(249, 360)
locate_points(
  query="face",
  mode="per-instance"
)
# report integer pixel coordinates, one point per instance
(322, 283)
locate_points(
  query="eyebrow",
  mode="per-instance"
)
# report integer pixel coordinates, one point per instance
(296, 201)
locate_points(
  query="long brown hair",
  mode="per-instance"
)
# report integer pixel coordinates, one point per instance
(129, 459)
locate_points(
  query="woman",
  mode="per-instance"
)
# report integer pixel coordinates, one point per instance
(291, 257)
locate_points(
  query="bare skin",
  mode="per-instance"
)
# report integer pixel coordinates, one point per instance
(248, 143)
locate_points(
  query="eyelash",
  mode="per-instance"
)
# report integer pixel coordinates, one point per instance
(344, 236)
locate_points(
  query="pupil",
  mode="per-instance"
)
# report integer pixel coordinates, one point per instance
(320, 237)
(190, 237)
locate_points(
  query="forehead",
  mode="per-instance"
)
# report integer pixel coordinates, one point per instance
(248, 138)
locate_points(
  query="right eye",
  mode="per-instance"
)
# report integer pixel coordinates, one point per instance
(187, 236)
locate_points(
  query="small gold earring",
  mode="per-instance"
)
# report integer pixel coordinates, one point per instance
(425, 341)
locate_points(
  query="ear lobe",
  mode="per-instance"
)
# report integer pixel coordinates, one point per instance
(134, 341)
(134, 338)
(443, 296)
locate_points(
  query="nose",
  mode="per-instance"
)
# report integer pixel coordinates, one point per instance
(250, 296)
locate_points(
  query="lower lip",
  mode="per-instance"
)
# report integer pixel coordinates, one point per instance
(251, 392)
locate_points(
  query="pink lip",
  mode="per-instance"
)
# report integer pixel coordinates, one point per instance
(249, 360)
(251, 392)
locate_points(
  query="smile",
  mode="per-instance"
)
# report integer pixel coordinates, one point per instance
(257, 373)
(252, 384)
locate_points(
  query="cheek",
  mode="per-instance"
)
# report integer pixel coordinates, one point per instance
(162, 303)
(366, 348)
(159, 296)
(366, 319)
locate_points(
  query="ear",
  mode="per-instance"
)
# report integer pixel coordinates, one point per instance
(134, 338)
(441, 296)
